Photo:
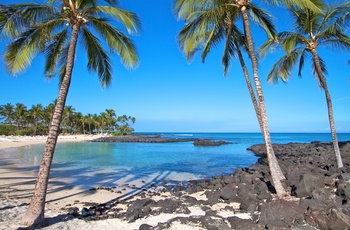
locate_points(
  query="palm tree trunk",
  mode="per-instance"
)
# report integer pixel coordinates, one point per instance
(35, 212)
(329, 107)
(275, 170)
(250, 87)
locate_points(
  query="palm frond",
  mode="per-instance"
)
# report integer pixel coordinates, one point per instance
(314, 5)
(290, 40)
(214, 38)
(193, 36)
(185, 9)
(303, 55)
(214, 33)
(36, 13)
(20, 53)
(54, 51)
(12, 22)
(340, 42)
(116, 41)
(268, 45)
(230, 50)
(189, 42)
(98, 59)
(263, 19)
(323, 70)
(283, 67)
(112, 2)
(128, 19)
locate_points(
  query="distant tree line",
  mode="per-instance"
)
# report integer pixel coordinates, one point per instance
(19, 120)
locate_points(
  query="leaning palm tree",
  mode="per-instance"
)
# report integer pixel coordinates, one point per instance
(190, 9)
(210, 21)
(311, 30)
(55, 33)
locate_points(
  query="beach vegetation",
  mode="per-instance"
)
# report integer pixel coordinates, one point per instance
(124, 125)
(55, 29)
(36, 121)
(312, 30)
(7, 130)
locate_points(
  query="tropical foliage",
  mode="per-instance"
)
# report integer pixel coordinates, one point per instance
(311, 30)
(36, 121)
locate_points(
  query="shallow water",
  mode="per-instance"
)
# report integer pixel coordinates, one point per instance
(104, 164)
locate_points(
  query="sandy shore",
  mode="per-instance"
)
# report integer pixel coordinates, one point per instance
(17, 184)
(19, 141)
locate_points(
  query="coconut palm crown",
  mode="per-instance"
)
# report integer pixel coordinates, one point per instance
(51, 30)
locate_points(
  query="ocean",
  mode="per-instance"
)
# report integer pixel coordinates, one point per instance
(105, 164)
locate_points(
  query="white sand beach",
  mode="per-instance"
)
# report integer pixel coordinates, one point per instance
(17, 184)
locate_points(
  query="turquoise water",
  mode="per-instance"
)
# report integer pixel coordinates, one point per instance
(93, 163)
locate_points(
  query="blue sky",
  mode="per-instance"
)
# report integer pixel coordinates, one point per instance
(168, 94)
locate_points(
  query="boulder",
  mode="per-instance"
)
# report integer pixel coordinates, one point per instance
(281, 210)
(243, 224)
(228, 193)
(214, 223)
(307, 184)
(338, 220)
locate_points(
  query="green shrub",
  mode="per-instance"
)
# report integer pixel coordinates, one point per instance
(7, 130)
(25, 132)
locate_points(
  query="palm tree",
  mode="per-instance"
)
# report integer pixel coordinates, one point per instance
(48, 113)
(89, 120)
(7, 112)
(19, 114)
(96, 122)
(110, 118)
(82, 121)
(68, 114)
(124, 126)
(211, 22)
(191, 9)
(102, 119)
(55, 33)
(311, 30)
(35, 113)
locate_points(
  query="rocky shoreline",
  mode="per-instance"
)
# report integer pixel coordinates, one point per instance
(320, 195)
(157, 139)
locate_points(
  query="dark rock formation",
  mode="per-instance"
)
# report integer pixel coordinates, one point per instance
(321, 194)
(200, 142)
(142, 139)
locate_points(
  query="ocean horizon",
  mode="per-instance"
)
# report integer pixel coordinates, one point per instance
(91, 164)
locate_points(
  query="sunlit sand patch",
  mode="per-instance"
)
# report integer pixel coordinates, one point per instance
(177, 225)
(198, 195)
(196, 211)
(220, 206)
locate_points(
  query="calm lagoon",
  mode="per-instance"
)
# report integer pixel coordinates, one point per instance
(107, 164)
